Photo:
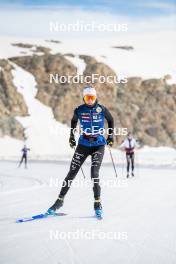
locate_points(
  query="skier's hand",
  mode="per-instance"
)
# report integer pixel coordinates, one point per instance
(72, 141)
(110, 140)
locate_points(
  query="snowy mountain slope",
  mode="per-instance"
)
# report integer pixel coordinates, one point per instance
(150, 49)
(43, 132)
(139, 211)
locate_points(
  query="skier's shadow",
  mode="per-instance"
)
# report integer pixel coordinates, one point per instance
(6, 220)
(84, 217)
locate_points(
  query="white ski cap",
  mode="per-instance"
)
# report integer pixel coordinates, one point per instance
(89, 91)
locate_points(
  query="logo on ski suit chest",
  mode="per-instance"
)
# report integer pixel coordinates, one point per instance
(91, 119)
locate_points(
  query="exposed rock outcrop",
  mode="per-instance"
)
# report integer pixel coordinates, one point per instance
(145, 107)
(11, 103)
(9, 126)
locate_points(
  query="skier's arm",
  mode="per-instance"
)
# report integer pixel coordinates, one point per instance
(110, 121)
(74, 122)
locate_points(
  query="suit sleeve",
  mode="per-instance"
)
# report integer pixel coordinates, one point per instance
(110, 121)
(74, 122)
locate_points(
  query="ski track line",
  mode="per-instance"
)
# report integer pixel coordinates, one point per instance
(22, 177)
(73, 254)
(37, 183)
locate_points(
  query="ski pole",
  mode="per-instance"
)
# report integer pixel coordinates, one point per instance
(81, 167)
(112, 161)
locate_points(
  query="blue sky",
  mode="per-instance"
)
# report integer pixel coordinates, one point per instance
(31, 18)
(122, 7)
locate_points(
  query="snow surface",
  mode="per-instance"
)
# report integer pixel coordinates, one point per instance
(140, 210)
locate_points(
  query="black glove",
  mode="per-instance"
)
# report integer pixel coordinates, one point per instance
(110, 140)
(72, 141)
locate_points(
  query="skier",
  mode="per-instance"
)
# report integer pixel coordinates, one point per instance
(91, 142)
(24, 156)
(129, 145)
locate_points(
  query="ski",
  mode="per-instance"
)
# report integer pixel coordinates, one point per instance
(37, 217)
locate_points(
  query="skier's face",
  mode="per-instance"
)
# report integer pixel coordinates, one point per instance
(129, 136)
(89, 99)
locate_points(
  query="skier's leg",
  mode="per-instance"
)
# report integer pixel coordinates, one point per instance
(132, 164)
(25, 160)
(128, 164)
(79, 157)
(21, 161)
(96, 161)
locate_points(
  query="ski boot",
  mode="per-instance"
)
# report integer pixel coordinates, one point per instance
(128, 175)
(58, 203)
(98, 208)
(132, 174)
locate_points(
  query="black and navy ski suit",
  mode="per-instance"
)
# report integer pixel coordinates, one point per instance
(91, 142)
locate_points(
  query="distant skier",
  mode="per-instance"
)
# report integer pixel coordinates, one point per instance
(24, 156)
(129, 145)
(91, 142)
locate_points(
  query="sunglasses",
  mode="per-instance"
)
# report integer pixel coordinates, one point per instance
(89, 97)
